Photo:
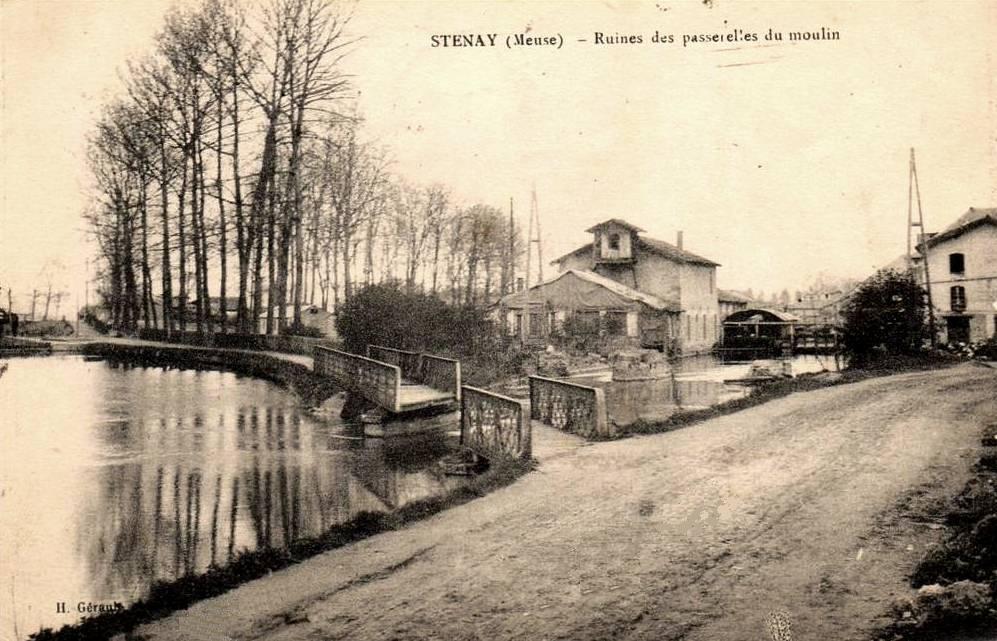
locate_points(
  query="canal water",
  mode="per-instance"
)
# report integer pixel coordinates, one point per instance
(692, 383)
(114, 476)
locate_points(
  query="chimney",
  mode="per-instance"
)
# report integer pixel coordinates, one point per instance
(678, 240)
(520, 283)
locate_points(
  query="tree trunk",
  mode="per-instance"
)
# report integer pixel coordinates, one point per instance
(147, 302)
(196, 241)
(167, 270)
(222, 244)
(182, 243)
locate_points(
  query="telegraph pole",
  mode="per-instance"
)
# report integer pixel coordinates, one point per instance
(914, 192)
(533, 237)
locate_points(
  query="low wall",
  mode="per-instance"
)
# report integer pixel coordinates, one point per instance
(409, 362)
(578, 409)
(300, 378)
(440, 373)
(378, 382)
(260, 342)
(492, 424)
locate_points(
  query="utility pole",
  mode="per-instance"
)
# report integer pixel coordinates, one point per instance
(535, 224)
(510, 282)
(914, 192)
(533, 237)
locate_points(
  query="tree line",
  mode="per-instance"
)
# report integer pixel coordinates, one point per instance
(234, 167)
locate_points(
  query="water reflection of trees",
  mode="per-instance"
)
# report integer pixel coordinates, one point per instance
(198, 491)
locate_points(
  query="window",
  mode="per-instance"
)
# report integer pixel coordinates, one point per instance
(614, 241)
(536, 324)
(957, 263)
(586, 323)
(958, 298)
(616, 323)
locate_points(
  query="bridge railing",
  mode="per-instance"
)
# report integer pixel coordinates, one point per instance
(409, 362)
(493, 424)
(574, 408)
(440, 373)
(377, 381)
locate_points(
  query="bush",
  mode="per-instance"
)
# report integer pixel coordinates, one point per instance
(886, 316)
(41, 328)
(90, 317)
(306, 331)
(386, 315)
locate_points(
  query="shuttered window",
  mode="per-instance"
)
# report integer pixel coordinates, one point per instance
(958, 298)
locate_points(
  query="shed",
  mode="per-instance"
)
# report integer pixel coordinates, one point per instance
(595, 301)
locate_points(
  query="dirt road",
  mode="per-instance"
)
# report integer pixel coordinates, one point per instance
(801, 505)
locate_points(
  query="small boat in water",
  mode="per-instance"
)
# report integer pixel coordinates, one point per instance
(764, 372)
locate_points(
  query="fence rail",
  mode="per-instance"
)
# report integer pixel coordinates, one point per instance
(377, 381)
(574, 408)
(409, 362)
(494, 424)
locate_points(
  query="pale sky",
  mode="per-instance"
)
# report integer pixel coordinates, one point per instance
(778, 162)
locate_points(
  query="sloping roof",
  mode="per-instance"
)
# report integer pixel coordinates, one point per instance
(616, 221)
(729, 296)
(567, 295)
(771, 315)
(656, 246)
(972, 219)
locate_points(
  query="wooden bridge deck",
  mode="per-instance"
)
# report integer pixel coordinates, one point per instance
(398, 387)
(414, 396)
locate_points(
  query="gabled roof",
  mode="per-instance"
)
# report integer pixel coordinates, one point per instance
(669, 250)
(618, 289)
(655, 246)
(614, 221)
(970, 220)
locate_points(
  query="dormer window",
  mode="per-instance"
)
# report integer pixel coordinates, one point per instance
(957, 264)
(614, 242)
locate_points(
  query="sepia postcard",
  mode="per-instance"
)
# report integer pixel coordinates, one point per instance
(435, 319)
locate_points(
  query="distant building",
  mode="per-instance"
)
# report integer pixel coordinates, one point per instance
(311, 316)
(962, 265)
(729, 302)
(821, 307)
(667, 295)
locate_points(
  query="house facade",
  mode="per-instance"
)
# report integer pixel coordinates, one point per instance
(962, 265)
(680, 307)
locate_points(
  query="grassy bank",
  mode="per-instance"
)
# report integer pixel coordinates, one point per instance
(956, 581)
(169, 597)
(780, 388)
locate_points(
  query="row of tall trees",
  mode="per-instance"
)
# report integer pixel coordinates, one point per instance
(232, 180)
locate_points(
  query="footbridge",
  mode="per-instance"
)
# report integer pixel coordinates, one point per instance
(395, 380)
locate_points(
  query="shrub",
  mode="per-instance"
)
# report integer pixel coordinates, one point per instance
(306, 331)
(886, 315)
(386, 315)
